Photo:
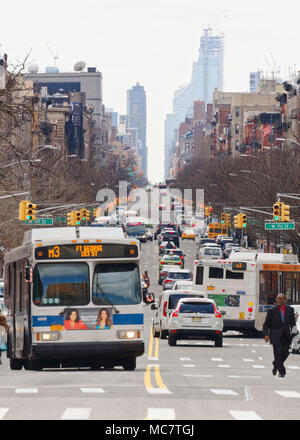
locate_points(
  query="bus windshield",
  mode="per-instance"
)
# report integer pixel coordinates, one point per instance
(62, 284)
(133, 229)
(116, 284)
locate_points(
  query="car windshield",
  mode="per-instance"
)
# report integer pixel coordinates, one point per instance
(178, 253)
(61, 284)
(116, 284)
(179, 276)
(135, 229)
(171, 258)
(192, 307)
(173, 299)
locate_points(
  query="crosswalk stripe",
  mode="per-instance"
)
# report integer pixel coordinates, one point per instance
(92, 390)
(3, 411)
(245, 415)
(223, 392)
(289, 394)
(76, 414)
(161, 414)
(26, 390)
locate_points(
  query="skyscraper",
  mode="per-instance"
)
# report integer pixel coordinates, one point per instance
(137, 118)
(207, 75)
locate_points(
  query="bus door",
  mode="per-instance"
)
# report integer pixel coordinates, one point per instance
(20, 301)
(291, 286)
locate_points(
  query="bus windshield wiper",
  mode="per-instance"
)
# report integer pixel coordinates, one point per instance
(110, 303)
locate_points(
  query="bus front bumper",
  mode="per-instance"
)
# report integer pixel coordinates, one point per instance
(238, 324)
(89, 350)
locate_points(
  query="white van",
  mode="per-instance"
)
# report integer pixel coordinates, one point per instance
(210, 253)
(167, 302)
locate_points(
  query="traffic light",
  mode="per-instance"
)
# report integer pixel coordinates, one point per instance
(83, 214)
(30, 211)
(88, 215)
(95, 212)
(228, 219)
(71, 218)
(277, 212)
(244, 221)
(285, 212)
(223, 218)
(77, 217)
(237, 221)
(22, 207)
(208, 211)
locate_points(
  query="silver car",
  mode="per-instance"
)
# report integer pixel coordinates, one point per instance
(196, 318)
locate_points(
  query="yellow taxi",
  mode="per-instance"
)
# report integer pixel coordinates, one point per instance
(188, 234)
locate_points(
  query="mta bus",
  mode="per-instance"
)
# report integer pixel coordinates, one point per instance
(246, 285)
(74, 299)
(136, 227)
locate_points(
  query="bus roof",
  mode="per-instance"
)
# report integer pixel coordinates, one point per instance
(261, 257)
(69, 233)
(135, 220)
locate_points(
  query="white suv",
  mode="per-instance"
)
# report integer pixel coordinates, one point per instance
(196, 318)
(167, 303)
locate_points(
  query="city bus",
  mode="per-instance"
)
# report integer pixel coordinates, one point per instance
(246, 285)
(136, 227)
(74, 299)
(215, 229)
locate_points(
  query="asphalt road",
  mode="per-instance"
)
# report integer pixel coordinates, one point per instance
(192, 381)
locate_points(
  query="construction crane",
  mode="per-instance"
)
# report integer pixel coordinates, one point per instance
(55, 57)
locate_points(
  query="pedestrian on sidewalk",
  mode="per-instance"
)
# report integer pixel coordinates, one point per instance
(146, 279)
(277, 329)
(3, 323)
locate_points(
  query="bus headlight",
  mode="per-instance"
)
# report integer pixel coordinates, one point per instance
(129, 334)
(53, 336)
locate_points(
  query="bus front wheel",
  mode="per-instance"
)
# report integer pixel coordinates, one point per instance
(130, 364)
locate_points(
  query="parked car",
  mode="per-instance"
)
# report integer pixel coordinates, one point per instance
(174, 275)
(167, 302)
(196, 318)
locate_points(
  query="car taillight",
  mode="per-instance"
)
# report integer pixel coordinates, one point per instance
(217, 313)
(163, 274)
(165, 309)
(168, 281)
(181, 257)
(179, 264)
(175, 313)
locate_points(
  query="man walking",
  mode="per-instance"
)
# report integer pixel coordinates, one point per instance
(277, 328)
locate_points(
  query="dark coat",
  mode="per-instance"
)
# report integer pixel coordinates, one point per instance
(273, 325)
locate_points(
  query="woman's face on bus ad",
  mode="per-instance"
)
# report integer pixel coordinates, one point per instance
(103, 315)
(73, 316)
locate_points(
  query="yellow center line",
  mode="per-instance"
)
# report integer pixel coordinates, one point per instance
(156, 347)
(150, 344)
(147, 378)
(158, 378)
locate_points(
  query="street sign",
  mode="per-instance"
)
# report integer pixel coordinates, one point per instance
(60, 219)
(39, 221)
(280, 226)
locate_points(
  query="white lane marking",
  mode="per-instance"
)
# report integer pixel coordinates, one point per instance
(161, 414)
(76, 414)
(158, 391)
(223, 392)
(224, 366)
(245, 415)
(153, 359)
(217, 359)
(244, 377)
(92, 390)
(293, 367)
(185, 359)
(248, 360)
(188, 366)
(258, 366)
(3, 411)
(289, 394)
(198, 375)
(260, 358)
(26, 390)
(248, 394)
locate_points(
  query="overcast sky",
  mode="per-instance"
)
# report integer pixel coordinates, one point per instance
(153, 42)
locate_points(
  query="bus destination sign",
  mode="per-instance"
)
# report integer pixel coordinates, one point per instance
(85, 251)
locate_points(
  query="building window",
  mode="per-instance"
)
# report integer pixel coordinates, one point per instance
(237, 144)
(237, 129)
(237, 111)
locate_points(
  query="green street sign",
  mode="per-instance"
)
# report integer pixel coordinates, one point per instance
(39, 221)
(60, 219)
(280, 226)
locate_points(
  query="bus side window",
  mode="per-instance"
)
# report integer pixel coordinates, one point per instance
(234, 275)
(199, 275)
(216, 272)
